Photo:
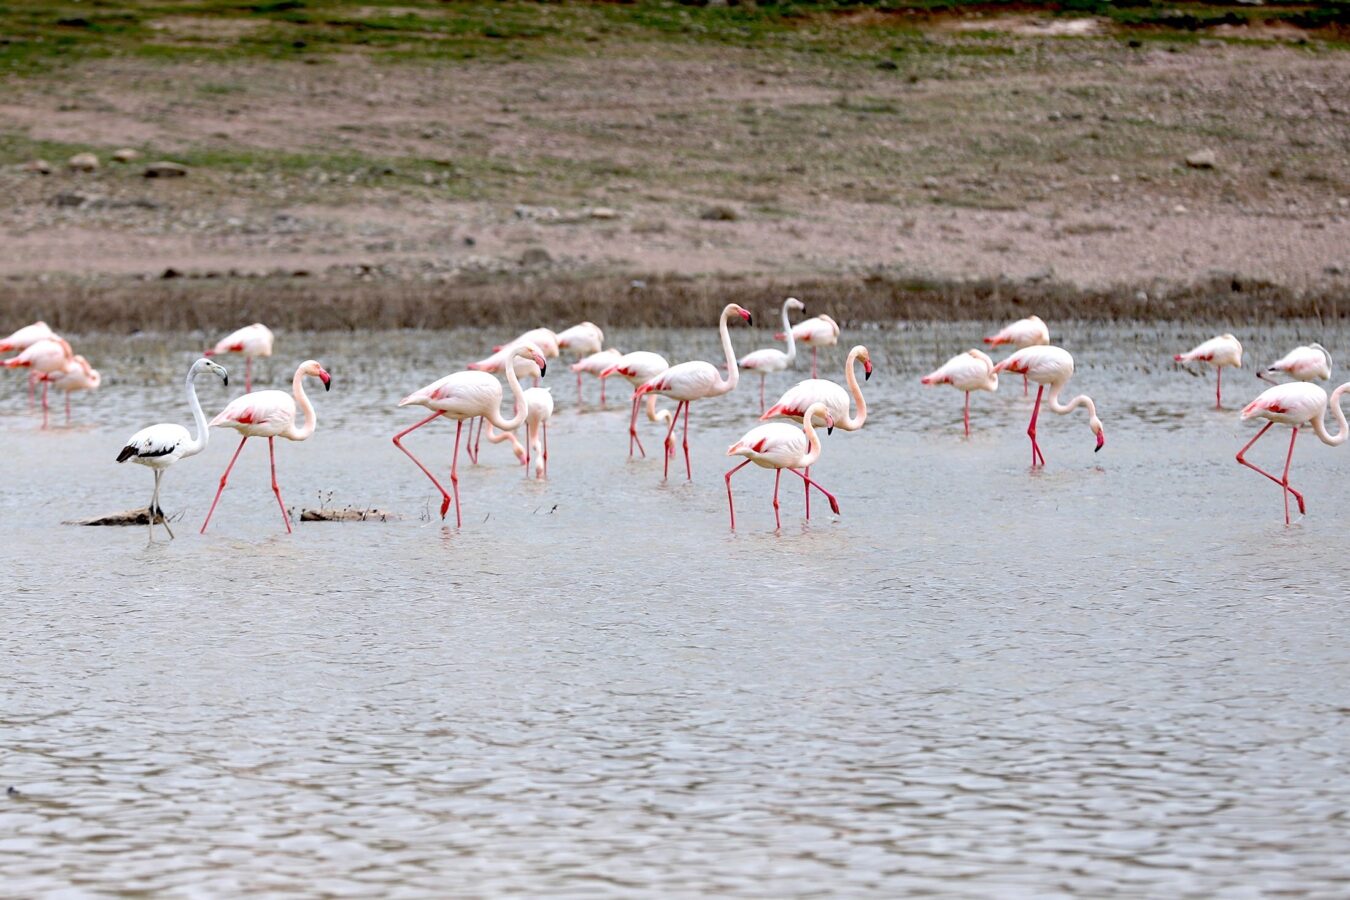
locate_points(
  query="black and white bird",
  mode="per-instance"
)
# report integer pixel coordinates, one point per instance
(160, 446)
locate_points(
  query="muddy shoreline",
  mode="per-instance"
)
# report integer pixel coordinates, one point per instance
(177, 304)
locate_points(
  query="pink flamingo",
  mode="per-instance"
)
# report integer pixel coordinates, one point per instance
(1296, 404)
(21, 340)
(762, 362)
(539, 402)
(597, 364)
(524, 367)
(969, 371)
(270, 414)
(798, 399)
(1220, 352)
(468, 395)
(690, 381)
(160, 446)
(581, 340)
(636, 368)
(821, 331)
(76, 375)
(1308, 363)
(1051, 366)
(251, 341)
(544, 340)
(779, 446)
(1028, 332)
(45, 357)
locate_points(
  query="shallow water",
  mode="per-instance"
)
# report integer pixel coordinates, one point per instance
(1122, 675)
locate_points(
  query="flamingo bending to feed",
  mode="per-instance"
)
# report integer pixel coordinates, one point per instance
(77, 375)
(524, 367)
(690, 381)
(637, 368)
(969, 371)
(160, 446)
(21, 340)
(540, 404)
(799, 398)
(1296, 404)
(821, 331)
(1028, 332)
(270, 414)
(1219, 352)
(543, 339)
(1308, 363)
(779, 446)
(597, 364)
(45, 357)
(771, 359)
(581, 340)
(468, 395)
(251, 341)
(1051, 366)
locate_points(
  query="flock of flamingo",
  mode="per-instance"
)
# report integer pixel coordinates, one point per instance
(475, 396)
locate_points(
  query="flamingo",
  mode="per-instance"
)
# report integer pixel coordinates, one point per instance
(969, 371)
(690, 381)
(524, 367)
(636, 368)
(21, 340)
(544, 340)
(539, 401)
(762, 362)
(45, 357)
(76, 375)
(270, 414)
(779, 446)
(1028, 332)
(596, 364)
(468, 395)
(252, 341)
(821, 331)
(1296, 404)
(160, 446)
(1221, 351)
(581, 340)
(1051, 366)
(798, 399)
(1308, 363)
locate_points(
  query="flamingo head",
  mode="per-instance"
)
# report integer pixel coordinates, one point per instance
(865, 358)
(206, 365)
(313, 367)
(740, 311)
(794, 303)
(530, 351)
(1096, 425)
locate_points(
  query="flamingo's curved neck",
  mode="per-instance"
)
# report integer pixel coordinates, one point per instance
(853, 423)
(198, 417)
(302, 401)
(494, 414)
(1066, 408)
(1319, 424)
(791, 338)
(662, 417)
(813, 439)
(733, 371)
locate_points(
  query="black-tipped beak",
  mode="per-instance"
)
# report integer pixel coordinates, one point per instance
(226, 379)
(867, 375)
(543, 370)
(749, 320)
(830, 430)
(327, 381)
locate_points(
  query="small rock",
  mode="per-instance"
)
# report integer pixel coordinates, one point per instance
(931, 183)
(83, 162)
(171, 272)
(535, 257)
(165, 169)
(12, 791)
(888, 65)
(604, 212)
(1203, 159)
(69, 200)
(1043, 274)
(1141, 296)
(1180, 210)
(39, 166)
(469, 240)
(126, 155)
(719, 213)
(1333, 270)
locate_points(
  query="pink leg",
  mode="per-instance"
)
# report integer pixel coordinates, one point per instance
(248, 374)
(454, 474)
(669, 442)
(445, 501)
(762, 379)
(1025, 383)
(834, 504)
(1285, 481)
(578, 387)
(1037, 458)
(807, 488)
(1218, 399)
(545, 451)
(602, 391)
(224, 478)
(45, 385)
(67, 407)
(688, 470)
(632, 429)
(967, 416)
(814, 372)
(1282, 482)
(730, 505)
(276, 488)
(777, 522)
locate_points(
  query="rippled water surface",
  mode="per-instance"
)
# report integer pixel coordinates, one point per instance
(1122, 675)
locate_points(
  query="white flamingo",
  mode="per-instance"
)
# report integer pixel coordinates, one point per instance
(771, 359)
(779, 446)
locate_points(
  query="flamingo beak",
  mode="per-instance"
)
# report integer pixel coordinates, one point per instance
(829, 424)
(1101, 440)
(226, 378)
(326, 379)
(867, 370)
(745, 314)
(542, 363)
